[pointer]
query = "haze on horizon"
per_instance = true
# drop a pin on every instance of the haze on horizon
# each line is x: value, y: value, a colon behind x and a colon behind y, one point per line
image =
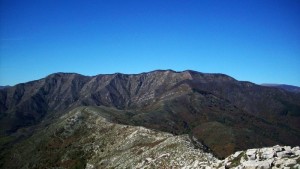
x: 257, y: 40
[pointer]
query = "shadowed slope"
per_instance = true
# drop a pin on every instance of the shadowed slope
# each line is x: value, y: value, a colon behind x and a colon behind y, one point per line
x: 83, y: 138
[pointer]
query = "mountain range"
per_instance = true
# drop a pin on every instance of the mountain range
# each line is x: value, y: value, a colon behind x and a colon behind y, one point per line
x: 222, y: 114
x: 290, y: 88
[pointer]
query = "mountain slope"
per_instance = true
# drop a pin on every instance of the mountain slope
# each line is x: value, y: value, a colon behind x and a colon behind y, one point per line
x: 82, y: 138
x: 3, y: 87
x: 224, y: 114
x: 289, y: 88
x: 85, y: 137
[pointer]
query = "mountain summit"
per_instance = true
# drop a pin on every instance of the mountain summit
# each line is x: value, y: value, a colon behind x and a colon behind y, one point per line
x: 223, y: 114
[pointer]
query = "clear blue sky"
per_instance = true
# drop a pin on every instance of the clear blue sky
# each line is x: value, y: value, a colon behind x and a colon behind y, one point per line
x: 253, y: 40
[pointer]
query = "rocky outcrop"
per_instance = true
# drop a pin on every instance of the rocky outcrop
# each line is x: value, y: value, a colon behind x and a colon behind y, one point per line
x: 275, y: 157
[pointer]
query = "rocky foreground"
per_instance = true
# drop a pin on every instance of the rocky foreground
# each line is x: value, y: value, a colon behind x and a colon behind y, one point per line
x: 85, y: 138
x: 263, y: 158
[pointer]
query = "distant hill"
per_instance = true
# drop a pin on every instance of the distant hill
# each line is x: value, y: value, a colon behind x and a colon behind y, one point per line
x: 3, y: 87
x: 289, y: 88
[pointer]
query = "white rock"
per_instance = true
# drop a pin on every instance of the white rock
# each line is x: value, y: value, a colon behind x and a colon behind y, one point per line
x: 286, y: 157
x: 297, y: 166
x: 296, y: 148
x: 277, y: 148
x: 268, y: 153
x: 257, y: 164
x: 164, y: 155
x: 297, y: 152
x: 279, y: 162
x: 251, y: 153
x: 223, y: 167
x: 290, y: 162
x: 89, y: 166
x: 282, y: 154
x: 195, y: 164
x: 287, y: 148
x: 148, y: 160
x: 236, y: 154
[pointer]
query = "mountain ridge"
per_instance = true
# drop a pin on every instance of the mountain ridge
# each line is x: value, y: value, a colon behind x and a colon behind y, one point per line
x: 86, y: 137
x: 166, y: 100
x: 290, y: 88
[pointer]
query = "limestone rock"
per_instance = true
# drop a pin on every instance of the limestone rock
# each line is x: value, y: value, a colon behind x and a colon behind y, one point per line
x: 264, y: 158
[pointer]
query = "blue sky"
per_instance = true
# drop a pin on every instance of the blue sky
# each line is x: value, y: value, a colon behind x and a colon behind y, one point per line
x: 253, y: 40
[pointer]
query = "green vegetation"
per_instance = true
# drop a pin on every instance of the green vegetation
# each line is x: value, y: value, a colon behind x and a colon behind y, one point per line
x: 5, y: 140
x: 291, y: 109
x: 237, y: 161
x: 298, y: 160
x: 81, y: 163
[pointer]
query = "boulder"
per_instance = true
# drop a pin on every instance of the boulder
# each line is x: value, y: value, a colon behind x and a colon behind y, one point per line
x: 251, y: 154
